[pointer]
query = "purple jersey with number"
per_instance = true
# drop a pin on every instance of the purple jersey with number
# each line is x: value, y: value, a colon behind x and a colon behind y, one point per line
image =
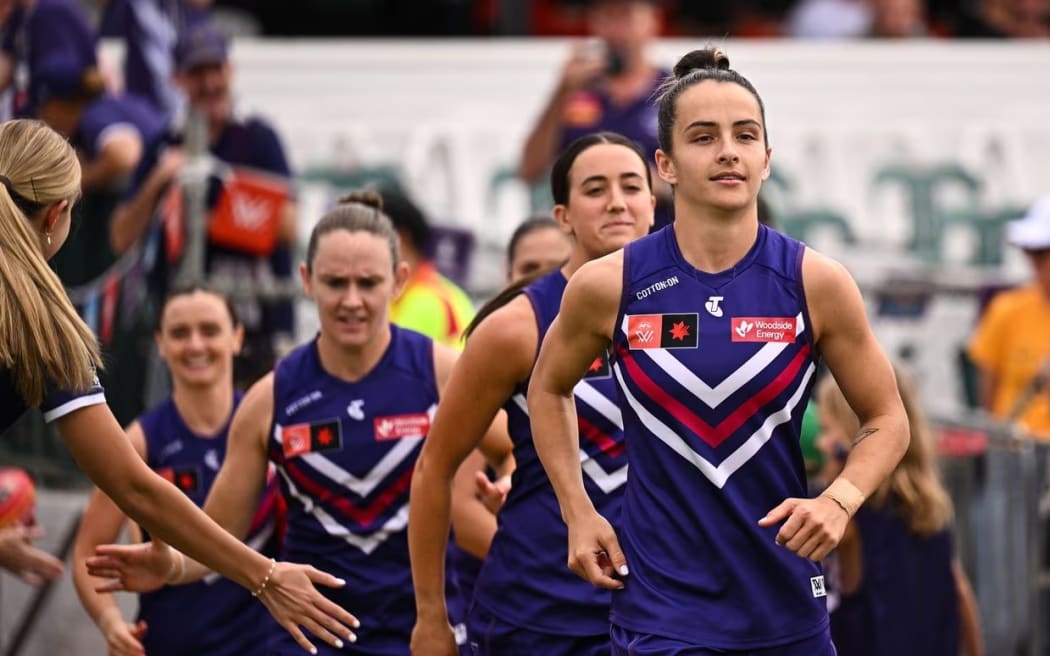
x: 213, y: 616
x: 345, y: 452
x: 714, y: 371
x: 524, y: 580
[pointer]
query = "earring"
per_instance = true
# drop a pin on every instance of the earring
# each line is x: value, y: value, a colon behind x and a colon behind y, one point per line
x: 49, y: 239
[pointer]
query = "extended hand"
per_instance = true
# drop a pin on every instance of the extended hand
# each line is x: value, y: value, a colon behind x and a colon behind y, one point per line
x: 18, y: 555
x: 132, y: 567
x: 294, y: 602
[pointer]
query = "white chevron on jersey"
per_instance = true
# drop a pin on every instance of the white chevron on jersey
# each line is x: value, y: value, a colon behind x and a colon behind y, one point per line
x: 606, y: 481
x: 404, y: 448
x: 718, y: 475
x: 601, y: 404
x: 366, y: 543
x: 586, y: 393
x: 714, y: 396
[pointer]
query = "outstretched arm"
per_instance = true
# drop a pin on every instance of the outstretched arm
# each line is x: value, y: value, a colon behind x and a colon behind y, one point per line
x: 813, y: 527
x: 100, y: 448
x: 496, y: 358
x: 579, y: 334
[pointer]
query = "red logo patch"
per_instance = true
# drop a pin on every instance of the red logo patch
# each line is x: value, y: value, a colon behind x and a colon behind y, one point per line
x: 310, y: 438
x: 651, y: 331
x: 763, y: 329
x: 398, y: 426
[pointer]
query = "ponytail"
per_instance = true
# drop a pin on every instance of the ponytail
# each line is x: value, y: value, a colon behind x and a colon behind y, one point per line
x: 43, y: 341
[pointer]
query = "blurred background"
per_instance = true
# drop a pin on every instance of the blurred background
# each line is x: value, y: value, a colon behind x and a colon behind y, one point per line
x: 906, y: 135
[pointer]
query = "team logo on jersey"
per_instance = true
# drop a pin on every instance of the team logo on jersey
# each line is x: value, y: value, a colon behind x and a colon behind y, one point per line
x: 211, y: 459
x: 763, y: 329
x: 651, y: 331
x: 713, y: 305
x: 187, y: 479
x: 355, y: 409
x: 312, y: 438
x: 397, y: 426
x: 599, y: 368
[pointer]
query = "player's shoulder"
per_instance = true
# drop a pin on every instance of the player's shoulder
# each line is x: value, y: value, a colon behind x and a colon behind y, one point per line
x: 598, y: 282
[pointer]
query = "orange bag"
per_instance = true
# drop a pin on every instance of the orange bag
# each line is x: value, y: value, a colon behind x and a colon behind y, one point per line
x: 247, y: 216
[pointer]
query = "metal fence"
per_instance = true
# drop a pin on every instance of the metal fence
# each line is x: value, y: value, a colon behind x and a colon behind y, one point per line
x: 998, y: 481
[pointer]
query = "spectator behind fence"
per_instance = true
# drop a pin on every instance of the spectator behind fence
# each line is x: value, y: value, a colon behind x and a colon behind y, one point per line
x: 429, y: 303
x: 901, y: 590
x: 35, y: 30
x: 151, y: 29
x: 606, y: 84
x: 1011, y: 345
x: 250, y: 158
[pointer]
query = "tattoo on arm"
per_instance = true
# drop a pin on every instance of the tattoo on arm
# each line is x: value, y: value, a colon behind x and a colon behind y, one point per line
x: 867, y: 432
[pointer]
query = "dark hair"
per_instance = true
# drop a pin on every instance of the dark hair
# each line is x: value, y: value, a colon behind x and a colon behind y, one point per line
x: 501, y: 299
x: 186, y: 290
x: 529, y: 225
x: 406, y: 215
x: 693, y: 68
x: 562, y: 165
x: 360, y: 211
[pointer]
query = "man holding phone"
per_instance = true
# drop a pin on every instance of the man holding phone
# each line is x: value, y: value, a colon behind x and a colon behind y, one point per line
x: 606, y: 84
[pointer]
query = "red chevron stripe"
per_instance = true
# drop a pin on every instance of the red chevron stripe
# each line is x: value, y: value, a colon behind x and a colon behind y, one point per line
x: 599, y: 438
x: 362, y: 514
x: 713, y: 436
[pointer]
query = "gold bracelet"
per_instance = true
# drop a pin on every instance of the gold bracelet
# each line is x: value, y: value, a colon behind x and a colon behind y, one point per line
x: 262, y: 586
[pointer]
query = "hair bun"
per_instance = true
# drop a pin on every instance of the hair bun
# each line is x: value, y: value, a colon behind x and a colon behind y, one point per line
x: 365, y: 197
x: 707, y: 58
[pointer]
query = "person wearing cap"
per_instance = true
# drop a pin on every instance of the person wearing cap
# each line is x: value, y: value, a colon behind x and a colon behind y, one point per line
x: 606, y: 84
x: 33, y: 31
x: 111, y: 132
x: 150, y: 30
x: 247, y: 145
x: 1011, y: 345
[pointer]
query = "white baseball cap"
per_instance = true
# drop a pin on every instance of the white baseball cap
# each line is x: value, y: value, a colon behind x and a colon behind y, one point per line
x: 1033, y: 231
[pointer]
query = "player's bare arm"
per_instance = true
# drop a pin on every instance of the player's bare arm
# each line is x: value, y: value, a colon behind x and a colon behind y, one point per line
x: 580, y: 333
x: 812, y: 528
x: 496, y: 358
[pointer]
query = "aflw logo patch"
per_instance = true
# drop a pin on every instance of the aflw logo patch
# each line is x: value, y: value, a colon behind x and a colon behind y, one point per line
x: 398, y: 426
x: 650, y: 331
x: 312, y: 438
x: 763, y: 329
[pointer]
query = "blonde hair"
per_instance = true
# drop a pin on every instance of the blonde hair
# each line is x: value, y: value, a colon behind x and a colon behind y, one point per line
x: 43, y: 342
x: 914, y: 488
